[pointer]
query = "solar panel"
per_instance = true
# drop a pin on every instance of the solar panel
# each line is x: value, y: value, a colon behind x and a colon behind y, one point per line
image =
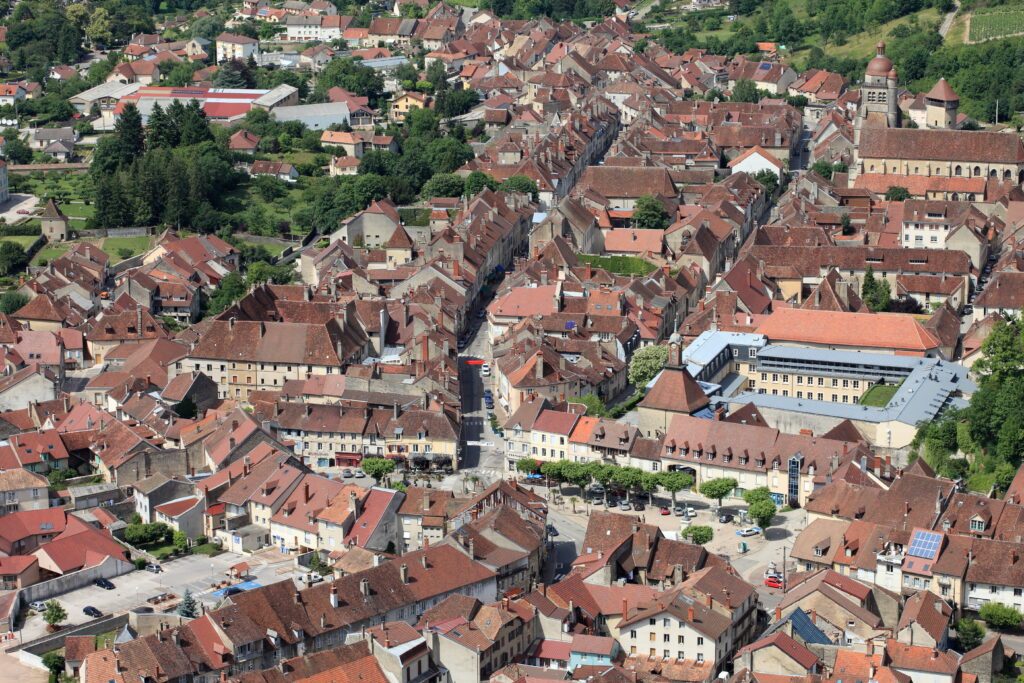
x: 925, y: 544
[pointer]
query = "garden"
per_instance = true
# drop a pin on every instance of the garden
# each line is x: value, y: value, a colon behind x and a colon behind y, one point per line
x: 996, y: 22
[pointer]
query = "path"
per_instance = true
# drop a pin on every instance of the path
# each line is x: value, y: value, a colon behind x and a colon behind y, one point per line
x: 947, y: 21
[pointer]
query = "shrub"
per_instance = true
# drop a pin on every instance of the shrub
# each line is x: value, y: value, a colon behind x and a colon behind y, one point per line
x: 699, y: 535
x: 1000, y: 616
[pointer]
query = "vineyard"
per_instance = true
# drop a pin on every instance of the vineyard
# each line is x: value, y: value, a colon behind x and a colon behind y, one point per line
x: 997, y: 22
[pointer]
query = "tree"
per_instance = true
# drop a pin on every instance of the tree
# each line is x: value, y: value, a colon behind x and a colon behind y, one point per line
x: 754, y: 495
x: 55, y: 663
x: 378, y: 468
x: 698, y: 534
x: 54, y: 614
x: 674, y: 481
x: 897, y: 194
x: 762, y: 512
x: 970, y: 634
x: 477, y: 181
x: 527, y: 465
x: 627, y: 478
x: 595, y: 406
x: 12, y: 301
x: 718, y: 488
x: 230, y: 290
x: 745, y: 91
x: 646, y: 364
x: 554, y: 471
x: 1003, y: 353
x: 520, y: 183
x: 769, y: 181
x: 1004, y: 472
x: 56, y: 478
x: 16, y: 150
x: 12, y: 258
x: 131, y: 140
x: 188, y: 606
x: 1000, y: 616
x: 650, y: 214
x: 443, y: 185
x: 876, y: 293
x: 180, y: 541
x: 234, y: 73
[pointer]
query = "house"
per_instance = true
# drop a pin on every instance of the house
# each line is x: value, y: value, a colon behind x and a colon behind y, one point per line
x: 244, y: 142
x: 21, y: 388
x: 779, y: 654
x: 406, y: 102
x: 233, y: 46
x: 157, y: 490
x: 11, y: 94
x: 756, y: 160
x: 21, y: 489
x: 276, y: 169
x: 184, y: 515
x: 44, y: 137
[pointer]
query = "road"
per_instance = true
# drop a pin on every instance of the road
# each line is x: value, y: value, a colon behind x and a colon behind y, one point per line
x: 947, y: 21
x: 18, y: 202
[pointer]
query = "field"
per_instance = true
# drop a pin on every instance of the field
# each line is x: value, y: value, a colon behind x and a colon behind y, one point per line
x: 49, y: 252
x: 996, y: 22
x: 24, y: 241
x: 879, y: 395
x: 136, y: 245
x: 78, y: 210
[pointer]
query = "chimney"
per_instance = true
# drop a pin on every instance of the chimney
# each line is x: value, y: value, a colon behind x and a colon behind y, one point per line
x: 778, y: 613
x: 814, y: 617
x: 538, y: 368
x: 353, y: 503
x: 334, y: 596
x: 306, y: 494
x: 403, y: 571
x: 298, y: 598
x: 423, y: 561
x: 707, y: 600
x: 426, y: 501
x: 689, y: 614
x: 364, y: 587
x: 625, y: 608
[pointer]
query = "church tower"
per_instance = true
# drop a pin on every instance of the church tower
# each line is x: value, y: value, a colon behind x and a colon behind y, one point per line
x: 878, y: 105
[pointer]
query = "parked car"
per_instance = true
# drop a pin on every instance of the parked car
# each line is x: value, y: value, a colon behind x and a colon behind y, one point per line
x: 232, y: 590
x: 679, y: 511
x: 725, y: 518
x: 24, y: 212
x: 534, y: 476
x: 638, y: 506
x: 774, y: 582
x: 624, y: 505
x: 154, y: 568
x: 360, y: 474
x: 664, y: 511
x: 748, y: 531
x: 968, y: 309
x: 485, y: 370
x: 552, y: 531
x: 91, y: 611
x: 38, y: 605
x: 104, y: 584
x: 481, y: 314
x: 347, y: 473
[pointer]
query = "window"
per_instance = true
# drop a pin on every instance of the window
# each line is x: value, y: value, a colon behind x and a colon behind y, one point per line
x: 632, y: 634
x: 700, y: 640
x: 666, y: 638
x: 993, y: 589
x: 700, y: 657
x: 682, y: 639
x: 653, y: 621
x: 665, y: 623
x: 977, y: 525
x: 680, y: 655
x: 799, y: 379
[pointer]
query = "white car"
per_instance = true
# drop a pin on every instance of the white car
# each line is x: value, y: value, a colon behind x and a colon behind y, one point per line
x: 749, y: 531
x: 38, y: 606
x: 485, y: 370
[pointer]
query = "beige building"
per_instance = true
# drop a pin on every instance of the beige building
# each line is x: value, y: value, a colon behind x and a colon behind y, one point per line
x: 23, y: 490
x: 424, y: 517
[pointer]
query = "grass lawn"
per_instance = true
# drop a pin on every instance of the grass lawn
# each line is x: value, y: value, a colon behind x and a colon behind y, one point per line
x: 22, y: 240
x: 78, y: 210
x: 982, y: 482
x: 620, y: 265
x: 997, y: 22
x: 105, y: 640
x: 136, y: 245
x: 209, y: 549
x: 879, y: 395
x: 49, y: 252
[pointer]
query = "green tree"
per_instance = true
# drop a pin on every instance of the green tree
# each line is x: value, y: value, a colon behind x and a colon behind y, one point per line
x: 55, y: 663
x: 1005, y: 473
x: 378, y: 468
x: 717, y: 488
x: 234, y: 73
x: 897, y: 194
x: 875, y: 292
x: 745, y: 91
x: 58, y: 477
x: 554, y: 472
x: 674, y: 481
x: 352, y: 76
x: 12, y: 258
x: 650, y: 214
x: 646, y: 364
x: 478, y: 181
x: 698, y: 534
x: 230, y: 290
x: 527, y: 465
x: 762, y: 512
x: 769, y: 181
x: 180, y: 541
x: 188, y: 606
x: 970, y: 634
x: 443, y: 185
x: 131, y: 140
x: 595, y: 406
x: 628, y: 478
x: 999, y: 616
x: 16, y: 150
x: 520, y: 183
x: 54, y: 613
x: 11, y: 301
x: 1002, y: 353
x: 754, y: 495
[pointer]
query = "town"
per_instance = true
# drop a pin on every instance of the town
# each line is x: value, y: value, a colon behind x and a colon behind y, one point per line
x: 446, y: 342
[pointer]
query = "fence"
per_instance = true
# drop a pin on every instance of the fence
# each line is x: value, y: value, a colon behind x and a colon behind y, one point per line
x: 55, y: 641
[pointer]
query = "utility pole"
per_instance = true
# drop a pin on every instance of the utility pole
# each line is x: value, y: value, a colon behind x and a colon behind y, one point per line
x: 783, y: 569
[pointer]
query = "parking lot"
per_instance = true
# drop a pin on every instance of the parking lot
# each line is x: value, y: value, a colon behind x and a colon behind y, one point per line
x: 196, y: 573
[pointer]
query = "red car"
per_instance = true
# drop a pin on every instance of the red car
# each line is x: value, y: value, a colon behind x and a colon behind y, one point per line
x: 665, y: 511
x: 773, y: 582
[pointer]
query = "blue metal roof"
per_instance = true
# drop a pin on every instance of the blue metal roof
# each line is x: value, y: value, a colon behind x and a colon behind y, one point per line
x: 805, y: 628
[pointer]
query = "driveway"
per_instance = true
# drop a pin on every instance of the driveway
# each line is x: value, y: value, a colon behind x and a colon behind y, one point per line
x: 18, y: 202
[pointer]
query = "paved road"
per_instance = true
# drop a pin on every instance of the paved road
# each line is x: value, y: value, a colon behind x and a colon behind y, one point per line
x: 947, y: 21
x: 18, y: 202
